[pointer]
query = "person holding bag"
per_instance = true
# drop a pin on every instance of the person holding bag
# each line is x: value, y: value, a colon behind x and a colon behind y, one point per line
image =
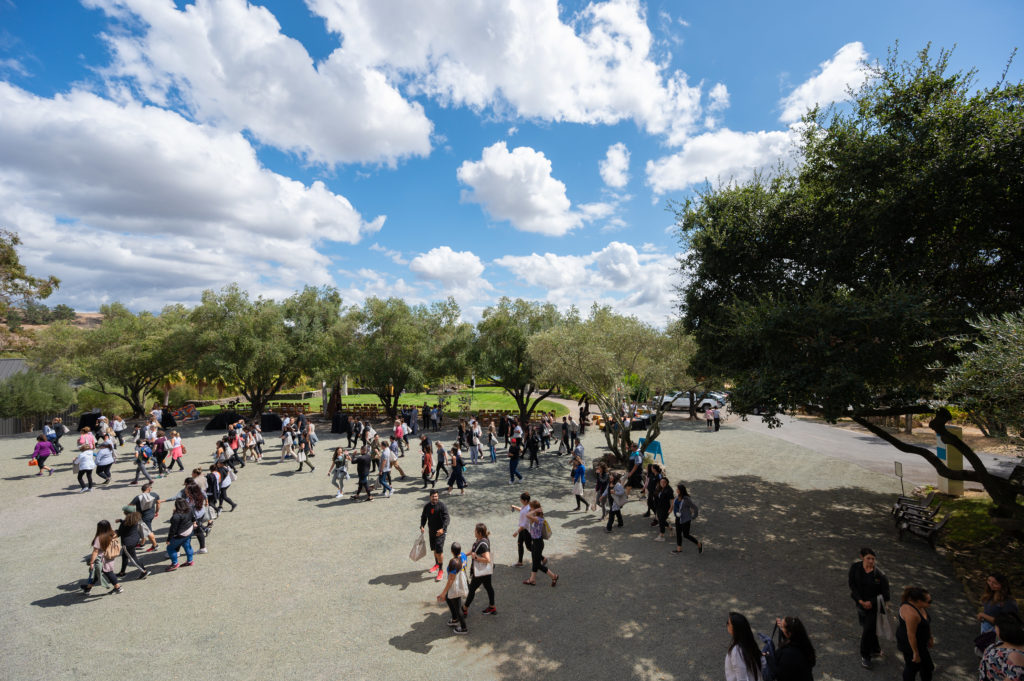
x: 106, y: 547
x: 43, y: 450
x: 481, y: 570
x: 867, y: 583
x: 454, y: 589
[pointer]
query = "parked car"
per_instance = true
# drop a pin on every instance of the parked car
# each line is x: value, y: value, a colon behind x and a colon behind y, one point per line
x: 681, y: 400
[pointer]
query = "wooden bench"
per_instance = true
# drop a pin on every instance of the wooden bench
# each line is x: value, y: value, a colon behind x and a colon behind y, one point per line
x: 926, y: 529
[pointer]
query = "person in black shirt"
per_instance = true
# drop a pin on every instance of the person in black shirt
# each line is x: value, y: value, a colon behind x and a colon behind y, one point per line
x: 514, y: 453
x: 867, y: 583
x: 435, y: 518
x: 362, y: 463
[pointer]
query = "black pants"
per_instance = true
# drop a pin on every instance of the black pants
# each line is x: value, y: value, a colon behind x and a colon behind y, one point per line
x: 128, y: 554
x: 455, y: 606
x: 364, y: 483
x: 104, y: 471
x: 161, y: 467
x: 718, y: 423
x: 524, y: 540
x: 307, y: 463
x: 612, y: 515
x: 57, y: 446
x: 176, y: 461
x: 537, y: 552
x: 475, y: 583
x: 533, y: 458
x: 683, y: 530
x: 224, y: 497
x: 82, y: 475
x: 869, y: 634
x: 911, y: 669
x: 233, y: 459
x: 200, y: 534
x: 581, y: 500
x: 437, y: 472
x: 120, y: 440
x: 662, y: 522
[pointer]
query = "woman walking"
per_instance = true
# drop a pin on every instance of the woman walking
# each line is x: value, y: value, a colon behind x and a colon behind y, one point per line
x: 119, y: 426
x: 662, y: 506
x: 522, y: 532
x: 130, y: 531
x: 600, y: 487
x: 43, y: 450
x: 795, y: 657
x: 86, y: 464
x: 104, y: 460
x: 440, y: 463
x: 451, y: 594
x: 286, y: 443
x: 339, y: 470
x: 492, y: 441
x: 227, y: 478
x: 914, y: 634
x: 535, y: 518
x: 197, y: 502
x: 457, y: 477
x: 179, y: 536
x: 177, y: 450
x: 743, y: 661
x: 106, y: 547
x: 480, y: 570
x: 996, y: 601
x: 302, y: 453
x: 685, y: 511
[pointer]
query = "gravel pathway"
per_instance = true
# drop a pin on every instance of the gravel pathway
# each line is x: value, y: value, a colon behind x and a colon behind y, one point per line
x: 298, y: 585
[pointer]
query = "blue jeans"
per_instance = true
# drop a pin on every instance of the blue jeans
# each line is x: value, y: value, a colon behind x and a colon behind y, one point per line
x: 383, y: 480
x: 175, y: 545
x: 494, y: 457
x: 473, y: 453
x: 513, y: 469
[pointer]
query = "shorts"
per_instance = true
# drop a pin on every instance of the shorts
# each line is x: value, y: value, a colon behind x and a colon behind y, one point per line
x: 436, y: 542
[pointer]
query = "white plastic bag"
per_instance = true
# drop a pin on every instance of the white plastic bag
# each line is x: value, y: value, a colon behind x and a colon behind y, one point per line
x: 419, y: 548
x: 883, y: 625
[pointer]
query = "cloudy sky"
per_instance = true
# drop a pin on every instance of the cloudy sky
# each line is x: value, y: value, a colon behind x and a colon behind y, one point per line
x: 151, y: 149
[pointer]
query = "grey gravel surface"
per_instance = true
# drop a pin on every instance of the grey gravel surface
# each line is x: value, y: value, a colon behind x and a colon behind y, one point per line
x: 298, y: 585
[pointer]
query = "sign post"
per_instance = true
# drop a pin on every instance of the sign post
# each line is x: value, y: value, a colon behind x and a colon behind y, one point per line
x: 899, y: 474
x: 954, y: 460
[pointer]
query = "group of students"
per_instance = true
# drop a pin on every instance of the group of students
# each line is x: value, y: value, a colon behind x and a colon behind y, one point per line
x: 196, y: 506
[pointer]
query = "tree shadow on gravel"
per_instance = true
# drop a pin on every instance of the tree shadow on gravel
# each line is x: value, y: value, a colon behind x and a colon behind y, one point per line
x: 625, y: 608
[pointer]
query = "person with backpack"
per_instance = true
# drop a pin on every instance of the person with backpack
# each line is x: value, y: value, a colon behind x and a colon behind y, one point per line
x: 106, y: 547
x: 743, y: 661
x: 452, y: 593
x: 142, y: 456
x: 481, y: 569
x: 179, y: 535
x: 795, y: 657
x: 867, y: 584
x: 539, y: 532
x: 147, y: 502
x: 685, y: 512
x: 130, y: 532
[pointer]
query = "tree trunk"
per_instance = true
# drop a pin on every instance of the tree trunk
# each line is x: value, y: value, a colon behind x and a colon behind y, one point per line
x: 334, y: 403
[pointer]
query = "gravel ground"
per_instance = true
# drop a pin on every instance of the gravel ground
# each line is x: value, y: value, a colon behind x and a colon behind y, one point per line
x: 298, y: 585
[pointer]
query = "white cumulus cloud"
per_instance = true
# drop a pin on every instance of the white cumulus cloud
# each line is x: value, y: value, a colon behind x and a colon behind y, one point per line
x: 519, y: 55
x: 94, y: 187
x: 846, y: 69
x: 615, y: 166
x: 723, y: 154
x: 232, y: 66
x: 517, y: 186
x: 444, y: 264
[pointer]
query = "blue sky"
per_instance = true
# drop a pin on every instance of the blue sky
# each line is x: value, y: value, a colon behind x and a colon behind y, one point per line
x: 152, y: 149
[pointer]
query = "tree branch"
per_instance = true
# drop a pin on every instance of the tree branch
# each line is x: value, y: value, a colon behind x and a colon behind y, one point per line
x: 924, y: 452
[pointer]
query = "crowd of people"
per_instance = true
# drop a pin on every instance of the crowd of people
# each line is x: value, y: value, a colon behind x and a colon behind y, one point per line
x: 374, y: 456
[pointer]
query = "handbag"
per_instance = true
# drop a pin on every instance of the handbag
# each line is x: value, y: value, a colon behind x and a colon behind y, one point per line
x: 33, y: 462
x: 883, y: 625
x: 113, y: 549
x: 183, y: 450
x: 461, y: 587
x: 484, y: 569
x: 419, y: 548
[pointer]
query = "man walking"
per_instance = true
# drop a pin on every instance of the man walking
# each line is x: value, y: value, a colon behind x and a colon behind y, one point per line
x: 717, y: 415
x: 435, y: 518
x: 363, y: 470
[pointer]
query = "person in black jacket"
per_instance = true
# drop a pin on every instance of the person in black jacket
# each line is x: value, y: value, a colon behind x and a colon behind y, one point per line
x: 435, y: 518
x: 180, y: 534
x: 867, y: 583
x: 795, y: 657
x: 663, y: 497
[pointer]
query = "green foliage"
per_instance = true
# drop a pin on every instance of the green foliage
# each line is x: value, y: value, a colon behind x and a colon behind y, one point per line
x: 501, y: 349
x: 259, y: 346
x: 34, y: 394
x: 17, y: 285
x: 987, y: 381
x: 128, y: 356
x: 613, y: 359
x: 834, y: 284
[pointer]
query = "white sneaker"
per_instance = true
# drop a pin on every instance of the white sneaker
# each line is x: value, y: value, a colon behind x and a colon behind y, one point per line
x: 387, y: 495
x: 338, y: 495
x: 202, y: 551
x: 660, y: 537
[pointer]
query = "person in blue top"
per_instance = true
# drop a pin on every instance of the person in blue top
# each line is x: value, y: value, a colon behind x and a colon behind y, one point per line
x: 579, y: 476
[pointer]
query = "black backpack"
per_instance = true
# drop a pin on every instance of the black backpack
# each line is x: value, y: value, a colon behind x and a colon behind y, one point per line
x: 769, y: 657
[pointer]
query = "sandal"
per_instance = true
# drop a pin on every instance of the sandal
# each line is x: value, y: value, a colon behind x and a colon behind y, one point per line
x: 528, y: 582
x: 554, y: 581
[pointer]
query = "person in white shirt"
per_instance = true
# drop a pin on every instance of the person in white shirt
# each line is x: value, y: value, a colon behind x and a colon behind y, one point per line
x: 743, y: 661
x: 119, y: 427
x: 86, y: 463
x: 523, y: 531
x: 388, y: 457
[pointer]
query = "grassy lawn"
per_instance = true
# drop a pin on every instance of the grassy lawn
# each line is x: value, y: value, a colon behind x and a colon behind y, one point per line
x: 977, y: 546
x: 482, y: 398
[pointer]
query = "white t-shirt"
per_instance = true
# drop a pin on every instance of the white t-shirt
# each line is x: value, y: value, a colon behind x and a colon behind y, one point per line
x: 523, y: 521
x: 387, y: 457
x: 86, y: 461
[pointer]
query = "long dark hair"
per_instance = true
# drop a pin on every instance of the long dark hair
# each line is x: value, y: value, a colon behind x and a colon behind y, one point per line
x: 798, y: 638
x: 181, y: 506
x: 194, y: 494
x: 1003, y: 593
x: 103, y: 532
x: 743, y: 637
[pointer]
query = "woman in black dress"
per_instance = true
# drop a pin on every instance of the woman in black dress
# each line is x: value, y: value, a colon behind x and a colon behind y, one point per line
x: 914, y: 634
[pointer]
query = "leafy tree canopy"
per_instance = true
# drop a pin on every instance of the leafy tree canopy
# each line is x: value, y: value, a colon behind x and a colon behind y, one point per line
x: 34, y: 394
x: 16, y: 285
